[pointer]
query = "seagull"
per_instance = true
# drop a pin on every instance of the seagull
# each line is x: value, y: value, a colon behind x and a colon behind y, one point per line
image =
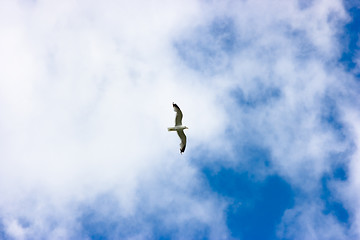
x: 179, y: 128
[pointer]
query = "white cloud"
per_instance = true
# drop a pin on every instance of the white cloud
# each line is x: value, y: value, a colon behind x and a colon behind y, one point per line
x: 86, y: 95
x: 306, y: 222
x: 86, y: 91
x: 349, y: 191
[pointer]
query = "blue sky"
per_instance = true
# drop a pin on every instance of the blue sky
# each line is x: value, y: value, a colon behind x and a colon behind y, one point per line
x: 269, y: 90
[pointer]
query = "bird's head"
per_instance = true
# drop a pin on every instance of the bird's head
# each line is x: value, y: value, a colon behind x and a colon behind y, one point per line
x: 186, y: 127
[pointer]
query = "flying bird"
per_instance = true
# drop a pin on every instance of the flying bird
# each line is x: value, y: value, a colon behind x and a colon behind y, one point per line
x: 179, y: 128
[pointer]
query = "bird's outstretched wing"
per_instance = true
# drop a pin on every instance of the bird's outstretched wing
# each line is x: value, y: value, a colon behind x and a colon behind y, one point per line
x: 179, y: 115
x: 183, y: 140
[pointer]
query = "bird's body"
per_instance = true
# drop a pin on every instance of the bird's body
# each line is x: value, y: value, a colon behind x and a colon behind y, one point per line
x: 176, y: 128
x: 179, y: 128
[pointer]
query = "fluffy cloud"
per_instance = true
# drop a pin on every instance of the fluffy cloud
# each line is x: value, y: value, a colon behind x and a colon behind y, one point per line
x: 86, y: 92
x: 86, y: 95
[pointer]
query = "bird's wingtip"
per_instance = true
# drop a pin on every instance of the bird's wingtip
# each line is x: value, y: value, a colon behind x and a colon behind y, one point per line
x: 182, y: 150
x: 175, y: 105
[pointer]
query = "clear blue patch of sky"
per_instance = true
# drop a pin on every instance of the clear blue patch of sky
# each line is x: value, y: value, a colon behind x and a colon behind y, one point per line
x: 340, y: 172
x: 256, y: 206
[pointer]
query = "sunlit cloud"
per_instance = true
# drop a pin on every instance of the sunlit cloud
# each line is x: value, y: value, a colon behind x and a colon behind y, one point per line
x: 267, y: 91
